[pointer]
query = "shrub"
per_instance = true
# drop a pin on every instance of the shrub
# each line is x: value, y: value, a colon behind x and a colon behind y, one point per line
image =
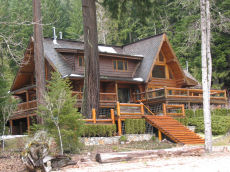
x: 99, y: 130
x: 220, y: 120
x: 134, y: 126
x: 123, y: 139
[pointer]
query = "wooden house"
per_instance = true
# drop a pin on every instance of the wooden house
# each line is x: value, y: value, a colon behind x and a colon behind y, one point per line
x: 146, y: 71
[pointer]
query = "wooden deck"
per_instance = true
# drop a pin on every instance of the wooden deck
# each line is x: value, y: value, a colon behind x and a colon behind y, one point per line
x: 169, y: 94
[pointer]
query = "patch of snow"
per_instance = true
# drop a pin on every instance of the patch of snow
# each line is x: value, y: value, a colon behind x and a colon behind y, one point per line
x: 75, y: 75
x: 106, y: 49
x: 5, y: 137
x: 139, y: 55
x: 138, y: 79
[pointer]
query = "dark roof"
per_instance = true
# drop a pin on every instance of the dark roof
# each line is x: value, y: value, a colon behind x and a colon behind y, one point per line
x: 148, y: 47
x: 145, y: 49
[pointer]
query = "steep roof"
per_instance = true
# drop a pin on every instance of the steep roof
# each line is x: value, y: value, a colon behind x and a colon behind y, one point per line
x: 147, y: 47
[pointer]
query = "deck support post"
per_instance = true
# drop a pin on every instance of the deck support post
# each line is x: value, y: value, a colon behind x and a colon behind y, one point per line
x: 159, y: 135
x: 112, y: 115
x: 119, y: 119
x: 27, y: 99
x: 28, y: 124
x: 94, y: 115
x: 142, y: 109
x: 116, y: 90
x: 11, y: 126
x: 164, y: 109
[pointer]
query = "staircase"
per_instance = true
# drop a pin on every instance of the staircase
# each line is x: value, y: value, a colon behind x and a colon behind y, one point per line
x: 174, y: 130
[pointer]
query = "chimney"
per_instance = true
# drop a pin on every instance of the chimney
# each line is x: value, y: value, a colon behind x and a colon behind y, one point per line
x: 55, y: 37
x: 60, y: 35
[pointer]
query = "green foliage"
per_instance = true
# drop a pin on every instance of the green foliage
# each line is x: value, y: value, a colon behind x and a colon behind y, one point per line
x: 123, y: 138
x: 99, y: 130
x: 60, y: 111
x: 134, y: 126
x: 220, y: 120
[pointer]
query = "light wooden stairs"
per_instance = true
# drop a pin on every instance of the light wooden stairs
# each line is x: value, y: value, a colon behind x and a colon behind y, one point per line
x: 174, y: 129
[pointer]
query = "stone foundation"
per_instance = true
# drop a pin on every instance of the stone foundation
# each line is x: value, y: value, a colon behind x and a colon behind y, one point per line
x: 89, y: 141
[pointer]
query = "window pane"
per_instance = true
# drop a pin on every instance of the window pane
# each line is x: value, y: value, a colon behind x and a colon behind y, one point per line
x: 158, y: 71
x: 126, y: 65
x: 120, y: 65
x: 161, y: 57
x: 114, y: 64
x: 81, y: 61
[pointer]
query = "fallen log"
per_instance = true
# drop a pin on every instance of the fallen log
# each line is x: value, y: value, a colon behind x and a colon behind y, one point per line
x: 126, y: 156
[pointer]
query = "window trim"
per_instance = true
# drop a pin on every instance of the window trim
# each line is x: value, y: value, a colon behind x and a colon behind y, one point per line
x: 125, y: 69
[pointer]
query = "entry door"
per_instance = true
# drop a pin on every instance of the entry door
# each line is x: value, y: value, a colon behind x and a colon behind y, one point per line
x: 123, y: 95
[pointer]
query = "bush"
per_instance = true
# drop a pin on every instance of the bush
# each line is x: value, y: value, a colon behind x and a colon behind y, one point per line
x: 123, y: 139
x: 220, y: 120
x: 134, y: 126
x: 99, y: 130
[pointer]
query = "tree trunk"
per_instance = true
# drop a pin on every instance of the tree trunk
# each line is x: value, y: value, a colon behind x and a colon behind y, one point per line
x: 92, y: 75
x: 127, y: 156
x: 206, y: 73
x: 60, y: 139
x: 39, y: 54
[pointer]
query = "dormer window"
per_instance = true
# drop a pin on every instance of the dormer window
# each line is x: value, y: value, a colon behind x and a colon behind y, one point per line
x: 81, y: 61
x: 120, y: 65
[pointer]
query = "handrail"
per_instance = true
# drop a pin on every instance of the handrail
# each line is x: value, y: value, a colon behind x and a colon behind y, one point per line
x: 147, y: 108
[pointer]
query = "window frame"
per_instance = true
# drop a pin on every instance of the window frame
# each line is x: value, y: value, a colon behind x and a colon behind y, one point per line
x: 124, y: 65
x: 82, y: 60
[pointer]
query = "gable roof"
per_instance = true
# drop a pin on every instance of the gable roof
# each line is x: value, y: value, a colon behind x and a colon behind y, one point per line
x: 145, y: 50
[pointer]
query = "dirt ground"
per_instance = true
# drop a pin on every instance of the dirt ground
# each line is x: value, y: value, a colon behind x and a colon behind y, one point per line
x: 214, y: 162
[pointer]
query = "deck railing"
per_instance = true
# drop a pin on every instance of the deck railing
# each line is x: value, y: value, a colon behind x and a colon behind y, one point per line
x: 167, y: 92
x: 27, y: 105
x: 104, y: 97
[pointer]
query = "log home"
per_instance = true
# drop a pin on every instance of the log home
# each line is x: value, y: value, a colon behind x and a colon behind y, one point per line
x: 146, y: 71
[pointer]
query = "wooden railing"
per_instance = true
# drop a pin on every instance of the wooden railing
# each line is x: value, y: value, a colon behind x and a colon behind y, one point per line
x: 104, y: 97
x: 27, y: 105
x: 94, y: 120
x: 124, y: 112
x: 174, y: 110
x: 167, y: 92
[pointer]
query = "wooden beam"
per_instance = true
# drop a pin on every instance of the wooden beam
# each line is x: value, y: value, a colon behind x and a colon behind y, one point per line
x: 116, y: 90
x: 159, y: 135
x: 11, y: 126
x: 112, y: 116
x: 94, y: 115
x: 28, y: 124
x: 27, y: 99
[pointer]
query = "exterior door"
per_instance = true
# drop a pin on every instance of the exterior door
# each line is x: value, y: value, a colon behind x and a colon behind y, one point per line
x: 123, y: 95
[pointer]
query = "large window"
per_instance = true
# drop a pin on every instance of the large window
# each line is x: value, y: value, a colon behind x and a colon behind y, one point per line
x: 120, y: 65
x: 158, y: 71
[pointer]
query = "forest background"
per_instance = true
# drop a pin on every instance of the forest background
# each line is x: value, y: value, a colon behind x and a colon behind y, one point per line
x: 180, y: 19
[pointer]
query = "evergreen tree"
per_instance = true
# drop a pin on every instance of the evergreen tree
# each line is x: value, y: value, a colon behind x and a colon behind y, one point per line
x: 61, y: 118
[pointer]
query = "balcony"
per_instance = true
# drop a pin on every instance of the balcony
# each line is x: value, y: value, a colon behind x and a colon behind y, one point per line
x: 180, y: 95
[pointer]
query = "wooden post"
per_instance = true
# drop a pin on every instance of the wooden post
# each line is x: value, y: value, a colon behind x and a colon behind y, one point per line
x: 182, y: 109
x: 116, y: 90
x: 166, y: 94
x: 164, y: 109
x: 11, y: 126
x: 27, y: 99
x: 119, y: 119
x: 28, y: 124
x: 94, y: 115
x: 159, y: 135
x: 142, y: 109
x: 112, y: 115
